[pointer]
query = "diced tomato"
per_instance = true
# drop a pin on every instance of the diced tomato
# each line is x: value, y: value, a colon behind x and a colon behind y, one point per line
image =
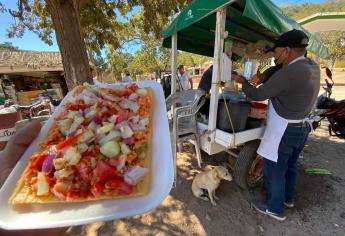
x: 111, y: 111
x: 133, y: 87
x: 68, y: 142
x: 123, y: 92
x: 132, y: 156
x: 76, y: 107
x: 97, y: 189
x: 103, y: 171
x: 98, y: 119
x: 131, y: 114
x: 84, y: 170
x: 113, y: 162
x: 129, y: 141
x: 73, y: 194
x: 99, y: 105
x: 91, y: 153
x: 121, y: 185
x: 121, y: 116
x: 37, y: 161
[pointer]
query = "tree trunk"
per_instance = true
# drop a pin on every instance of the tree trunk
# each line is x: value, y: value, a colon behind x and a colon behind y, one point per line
x: 66, y: 23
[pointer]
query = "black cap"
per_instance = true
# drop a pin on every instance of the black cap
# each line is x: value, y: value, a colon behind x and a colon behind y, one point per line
x: 180, y: 67
x: 292, y: 39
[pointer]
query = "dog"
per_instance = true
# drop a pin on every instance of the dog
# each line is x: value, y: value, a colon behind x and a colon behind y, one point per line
x: 209, y: 181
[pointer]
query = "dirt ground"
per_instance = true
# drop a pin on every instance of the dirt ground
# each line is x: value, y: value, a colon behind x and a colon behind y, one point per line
x: 320, y: 203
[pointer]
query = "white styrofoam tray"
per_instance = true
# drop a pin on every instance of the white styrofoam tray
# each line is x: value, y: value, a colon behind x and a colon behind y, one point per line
x: 36, y: 216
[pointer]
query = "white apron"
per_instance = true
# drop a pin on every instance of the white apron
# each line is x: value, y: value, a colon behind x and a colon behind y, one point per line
x: 274, y: 132
x: 275, y: 129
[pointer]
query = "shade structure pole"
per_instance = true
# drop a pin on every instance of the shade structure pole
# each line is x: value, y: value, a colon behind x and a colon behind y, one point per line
x: 173, y: 91
x: 217, y: 68
x: 173, y: 62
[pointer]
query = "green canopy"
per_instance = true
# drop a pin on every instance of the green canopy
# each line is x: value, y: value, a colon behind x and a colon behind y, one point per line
x: 246, y: 21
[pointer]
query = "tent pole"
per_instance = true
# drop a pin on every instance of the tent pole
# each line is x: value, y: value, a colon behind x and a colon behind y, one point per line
x: 173, y: 91
x: 173, y: 62
x: 217, y: 68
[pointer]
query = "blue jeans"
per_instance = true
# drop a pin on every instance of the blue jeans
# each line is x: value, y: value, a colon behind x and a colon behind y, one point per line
x: 280, y: 177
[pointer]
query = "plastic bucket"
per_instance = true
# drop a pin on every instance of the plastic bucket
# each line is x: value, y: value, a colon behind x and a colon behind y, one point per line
x: 239, y: 113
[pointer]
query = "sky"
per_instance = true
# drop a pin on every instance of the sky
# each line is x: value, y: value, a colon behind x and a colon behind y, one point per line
x: 30, y: 41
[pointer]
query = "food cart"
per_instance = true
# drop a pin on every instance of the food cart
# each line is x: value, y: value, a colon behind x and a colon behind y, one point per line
x: 215, y: 29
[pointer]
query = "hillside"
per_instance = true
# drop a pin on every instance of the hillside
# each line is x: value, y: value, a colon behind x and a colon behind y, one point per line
x: 300, y: 11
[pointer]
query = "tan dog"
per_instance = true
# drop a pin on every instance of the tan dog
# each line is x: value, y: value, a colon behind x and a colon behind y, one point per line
x: 209, y: 180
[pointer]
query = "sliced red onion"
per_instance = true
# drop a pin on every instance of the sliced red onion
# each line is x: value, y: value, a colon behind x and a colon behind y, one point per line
x: 90, y: 98
x: 47, y: 165
x: 122, y: 162
x: 87, y: 110
x: 129, y: 141
x: 104, y: 110
x: 133, y: 97
x: 134, y: 119
x: 97, y: 120
x: 145, y: 121
x: 135, y: 174
x: 59, y: 195
x: 75, y: 125
x: 77, y: 122
x: 72, y: 134
x: 112, y: 134
x: 121, y: 124
x: 136, y: 127
x: 92, y: 126
x: 91, y: 114
x: 113, y: 118
x: 100, y: 137
x: 126, y: 132
x: 110, y: 97
x: 127, y: 104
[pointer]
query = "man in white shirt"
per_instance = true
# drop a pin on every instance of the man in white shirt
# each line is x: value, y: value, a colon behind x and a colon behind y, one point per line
x: 185, y: 78
x: 127, y: 78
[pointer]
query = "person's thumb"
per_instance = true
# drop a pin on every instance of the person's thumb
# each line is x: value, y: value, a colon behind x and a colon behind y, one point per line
x: 17, y: 145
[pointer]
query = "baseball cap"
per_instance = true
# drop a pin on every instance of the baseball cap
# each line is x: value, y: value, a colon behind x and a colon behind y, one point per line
x: 292, y: 39
x: 180, y: 67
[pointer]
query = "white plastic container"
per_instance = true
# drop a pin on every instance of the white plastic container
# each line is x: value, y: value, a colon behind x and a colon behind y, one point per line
x: 34, y: 216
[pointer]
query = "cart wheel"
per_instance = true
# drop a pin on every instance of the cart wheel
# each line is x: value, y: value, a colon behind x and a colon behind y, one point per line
x: 248, y: 169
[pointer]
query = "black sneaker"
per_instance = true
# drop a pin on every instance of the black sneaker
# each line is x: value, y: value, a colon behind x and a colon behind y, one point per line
x: 262, y: 208
x: 289, y: 204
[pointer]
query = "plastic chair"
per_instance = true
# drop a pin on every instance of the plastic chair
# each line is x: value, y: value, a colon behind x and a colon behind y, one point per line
x: 183, y: 122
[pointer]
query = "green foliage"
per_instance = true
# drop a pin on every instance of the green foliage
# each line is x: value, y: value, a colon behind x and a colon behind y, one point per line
x: 118, y: 61
x: 333, y: 41
x: 339, y: 64
x: 190, y: 59
x: 8, y: 46
x: 304, y: 10
x: 99, y: 19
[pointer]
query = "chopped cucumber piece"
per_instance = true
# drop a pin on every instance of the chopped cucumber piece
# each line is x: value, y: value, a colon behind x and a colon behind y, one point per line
x: 74, y: 114
x: 126, y: 132
x: 125, y: 149
x: 90, y: 114
x: 42, y: 184
x: 86, y: 136
x: 63, y: 173
x: 72, y: 156
x: 106, y: 128
x: 141, y: 92
x: 110, y: 149
x: 65, y: 126
x: 142, y: 155
x: 59, y: 163
x: 82, y: 147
